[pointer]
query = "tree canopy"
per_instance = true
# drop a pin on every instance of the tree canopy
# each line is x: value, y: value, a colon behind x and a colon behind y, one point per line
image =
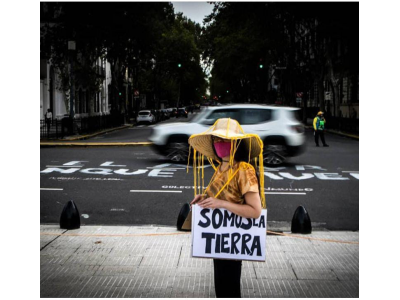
x: 142, y: 40
x: 305, y: 42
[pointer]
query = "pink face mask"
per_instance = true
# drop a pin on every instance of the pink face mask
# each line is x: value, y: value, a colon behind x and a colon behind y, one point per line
x: 223, y: 149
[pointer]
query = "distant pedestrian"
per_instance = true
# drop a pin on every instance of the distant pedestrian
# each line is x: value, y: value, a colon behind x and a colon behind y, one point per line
x: 354, y: 113
x: 319, y: 128
x: 48, y: 117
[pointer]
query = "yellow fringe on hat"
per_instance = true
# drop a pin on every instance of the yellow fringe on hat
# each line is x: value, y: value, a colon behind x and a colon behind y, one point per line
x: 198, y: 163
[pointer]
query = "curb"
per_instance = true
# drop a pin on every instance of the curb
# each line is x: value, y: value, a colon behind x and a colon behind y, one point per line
x: 352, y: 136
x: 84, y: 137
x: 355, y: 137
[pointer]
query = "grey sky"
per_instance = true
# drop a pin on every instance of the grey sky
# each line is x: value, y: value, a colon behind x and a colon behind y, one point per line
x: 196, y: 11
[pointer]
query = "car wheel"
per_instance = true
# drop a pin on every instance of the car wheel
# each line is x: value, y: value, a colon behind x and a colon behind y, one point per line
x: 178, y: 151
x: 274, y: 154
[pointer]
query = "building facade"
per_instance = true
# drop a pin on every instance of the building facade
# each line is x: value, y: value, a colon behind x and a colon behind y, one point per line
x: 85, y: 103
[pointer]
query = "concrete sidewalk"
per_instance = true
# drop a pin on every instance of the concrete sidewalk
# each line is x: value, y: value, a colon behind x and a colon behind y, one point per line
x: 154, y: 261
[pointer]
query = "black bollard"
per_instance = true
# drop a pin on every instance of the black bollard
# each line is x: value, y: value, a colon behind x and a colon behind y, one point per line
x: 182, y: 216
x: 301, y: 222
x: 70, y: 218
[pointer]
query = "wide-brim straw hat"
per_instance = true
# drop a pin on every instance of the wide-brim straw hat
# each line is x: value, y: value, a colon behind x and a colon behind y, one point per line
x: 226, y: 128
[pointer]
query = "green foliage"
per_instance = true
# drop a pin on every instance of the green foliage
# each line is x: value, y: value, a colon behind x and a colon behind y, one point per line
x: 302, y: 37
x: 139, y: 39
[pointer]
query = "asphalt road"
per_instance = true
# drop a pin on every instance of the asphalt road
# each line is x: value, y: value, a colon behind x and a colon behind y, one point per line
x: 136, y: 186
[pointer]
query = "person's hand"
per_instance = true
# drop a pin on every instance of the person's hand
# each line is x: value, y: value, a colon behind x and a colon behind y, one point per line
x: 211, y: 203
x: 195, y: 199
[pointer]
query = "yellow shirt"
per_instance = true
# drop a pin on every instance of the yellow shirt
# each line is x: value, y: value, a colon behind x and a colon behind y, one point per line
x: 244, y: 181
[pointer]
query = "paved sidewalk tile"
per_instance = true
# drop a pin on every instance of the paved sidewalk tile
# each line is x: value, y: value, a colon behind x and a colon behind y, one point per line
x: 155, y: 262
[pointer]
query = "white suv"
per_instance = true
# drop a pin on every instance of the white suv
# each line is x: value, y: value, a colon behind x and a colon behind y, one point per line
x: 278, y: 127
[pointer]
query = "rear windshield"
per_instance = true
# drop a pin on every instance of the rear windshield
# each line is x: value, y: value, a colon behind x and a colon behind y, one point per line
x: 144, y: 113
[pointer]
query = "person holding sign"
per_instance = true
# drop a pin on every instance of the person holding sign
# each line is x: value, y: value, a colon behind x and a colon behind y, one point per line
x: 234, y: 185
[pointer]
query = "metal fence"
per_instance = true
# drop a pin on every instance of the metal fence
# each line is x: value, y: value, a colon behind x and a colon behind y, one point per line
x: 57, y: 129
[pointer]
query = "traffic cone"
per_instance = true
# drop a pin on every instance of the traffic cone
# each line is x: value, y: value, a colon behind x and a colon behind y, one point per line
x: 184, y: 212
x: 301, y: 222
x: 70, y: 218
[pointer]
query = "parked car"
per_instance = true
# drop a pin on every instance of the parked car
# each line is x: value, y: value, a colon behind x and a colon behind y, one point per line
x: 278, y: 127
x: 145, y: 116
x: 181, y: 112
x: 165, y: 114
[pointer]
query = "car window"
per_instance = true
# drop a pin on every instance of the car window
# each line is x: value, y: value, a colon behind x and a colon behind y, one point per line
x: 295, y: 114
x: 255, y: 116
x: 224, y: 113
x: 143, y: 113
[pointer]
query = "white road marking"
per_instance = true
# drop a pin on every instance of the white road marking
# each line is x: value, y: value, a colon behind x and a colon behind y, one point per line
x: 85, y: 216
x: 109, y: 164
x: 350, y: 171
x: 50, y: 189
x: 63, y: 166
x: 153, y: 191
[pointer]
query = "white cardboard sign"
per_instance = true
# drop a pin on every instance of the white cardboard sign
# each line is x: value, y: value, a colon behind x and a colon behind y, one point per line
x: 219, y: 233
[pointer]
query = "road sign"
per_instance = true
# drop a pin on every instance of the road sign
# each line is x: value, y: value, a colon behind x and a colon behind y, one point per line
x: 136, y: 93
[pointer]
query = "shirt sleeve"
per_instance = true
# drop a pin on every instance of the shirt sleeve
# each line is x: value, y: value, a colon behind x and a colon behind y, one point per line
x: 247, y: 180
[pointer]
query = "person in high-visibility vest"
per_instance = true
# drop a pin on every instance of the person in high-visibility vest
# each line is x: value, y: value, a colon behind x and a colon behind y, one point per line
x: 319, y: 128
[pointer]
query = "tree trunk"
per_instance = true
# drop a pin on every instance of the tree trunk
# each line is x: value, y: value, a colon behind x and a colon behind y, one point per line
x: 321, y: 94
x: 305, y: 96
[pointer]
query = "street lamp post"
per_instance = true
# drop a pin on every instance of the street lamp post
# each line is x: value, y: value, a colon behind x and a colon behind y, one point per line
x: 71, y: 49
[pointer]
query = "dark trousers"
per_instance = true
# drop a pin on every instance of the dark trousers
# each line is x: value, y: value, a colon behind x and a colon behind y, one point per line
x: 319, y: 133
x: 227, y: 275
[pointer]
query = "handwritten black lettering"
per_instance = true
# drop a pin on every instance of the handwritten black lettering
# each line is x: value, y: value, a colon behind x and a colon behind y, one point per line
x: 204, y: 215
x: 209, y: 237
